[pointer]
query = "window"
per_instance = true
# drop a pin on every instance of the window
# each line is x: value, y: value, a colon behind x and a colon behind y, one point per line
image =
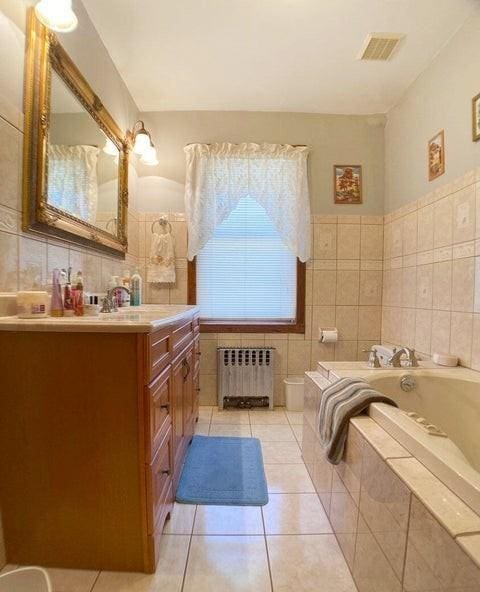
x: 245, y: 278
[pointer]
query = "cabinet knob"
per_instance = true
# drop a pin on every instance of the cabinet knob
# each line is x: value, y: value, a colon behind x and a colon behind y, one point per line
x: 166, y: 472
x: 166, y: 406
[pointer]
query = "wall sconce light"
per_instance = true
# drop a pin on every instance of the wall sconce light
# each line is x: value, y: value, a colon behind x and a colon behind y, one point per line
x: 142, y: 144
x: 57, y: 15
x: 110, y: 148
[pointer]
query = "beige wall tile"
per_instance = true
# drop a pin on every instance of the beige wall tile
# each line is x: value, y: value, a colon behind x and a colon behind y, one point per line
x: 442, y: 285
x: 208, y: 389
x: 346, y: 351
x: 348, y: 241
x: 441, y: 321
x: 325, y: 241
x: 461, y: 337
x: 463, y: 279
x: 476, y: 342
x: 11, y: 142
x: 346, y: 321
x: 9, y: 264
x: 369, y: 322
x: 423, y: 330
x: 371, y: 242
x: 443, y: 223
x: 348, y: 287
x: 464, y: 215
x: 299, y: 353
x: 370, y: 287
x: 407, y: 331
x: 324, y: 287
x: 321, y: 351
x: 32, y: 264
x: 410, y: 234
x: 424, y: 286
x: 409, y: 287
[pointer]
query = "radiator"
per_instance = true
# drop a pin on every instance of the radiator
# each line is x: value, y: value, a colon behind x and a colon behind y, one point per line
x: 245, y: 376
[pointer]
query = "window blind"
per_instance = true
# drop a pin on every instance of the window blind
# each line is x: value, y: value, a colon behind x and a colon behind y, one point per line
x: 245, y: 272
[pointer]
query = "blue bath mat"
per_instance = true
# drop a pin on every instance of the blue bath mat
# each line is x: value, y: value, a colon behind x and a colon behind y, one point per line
x: 223, y: 472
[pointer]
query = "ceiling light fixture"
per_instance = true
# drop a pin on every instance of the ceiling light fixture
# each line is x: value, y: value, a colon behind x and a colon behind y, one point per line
x: 142, y: 144
x: 57, y: 15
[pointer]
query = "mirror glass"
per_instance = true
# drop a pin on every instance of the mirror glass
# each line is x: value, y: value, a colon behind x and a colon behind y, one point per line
x: 83, y: 164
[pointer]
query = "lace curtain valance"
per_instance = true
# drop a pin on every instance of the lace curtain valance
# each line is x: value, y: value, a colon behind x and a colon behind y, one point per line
x: 275, y: 175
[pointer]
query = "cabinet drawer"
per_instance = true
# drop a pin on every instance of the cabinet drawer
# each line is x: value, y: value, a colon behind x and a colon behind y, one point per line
x: 159, y: 484
x: 181, y: 337
x: 157, y: 410
x: 158, y: 352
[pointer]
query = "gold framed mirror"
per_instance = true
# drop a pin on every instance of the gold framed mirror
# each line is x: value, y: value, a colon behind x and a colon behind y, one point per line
x: 75, y: 172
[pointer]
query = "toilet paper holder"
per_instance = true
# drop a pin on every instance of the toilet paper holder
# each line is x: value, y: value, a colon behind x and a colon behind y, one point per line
x: 328, y: 334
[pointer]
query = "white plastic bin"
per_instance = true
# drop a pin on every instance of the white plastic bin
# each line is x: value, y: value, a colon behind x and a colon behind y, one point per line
x: 25, y: 579
x: 294, y: 386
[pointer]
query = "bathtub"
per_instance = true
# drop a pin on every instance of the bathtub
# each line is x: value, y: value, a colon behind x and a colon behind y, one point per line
x: 450, y: 399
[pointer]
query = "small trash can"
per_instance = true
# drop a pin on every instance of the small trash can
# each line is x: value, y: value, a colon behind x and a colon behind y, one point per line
x: 294, y: 392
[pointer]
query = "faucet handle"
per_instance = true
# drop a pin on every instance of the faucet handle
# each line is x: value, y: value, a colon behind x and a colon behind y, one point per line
x: 373, y: 361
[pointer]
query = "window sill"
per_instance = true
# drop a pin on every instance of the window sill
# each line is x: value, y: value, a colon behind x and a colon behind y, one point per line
x: 247, y: 327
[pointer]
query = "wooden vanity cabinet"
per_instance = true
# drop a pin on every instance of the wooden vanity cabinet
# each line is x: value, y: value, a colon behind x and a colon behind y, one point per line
x: 93, y: 435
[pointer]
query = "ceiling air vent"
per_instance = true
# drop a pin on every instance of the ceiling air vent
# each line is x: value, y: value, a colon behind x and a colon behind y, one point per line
x: 379, y: 46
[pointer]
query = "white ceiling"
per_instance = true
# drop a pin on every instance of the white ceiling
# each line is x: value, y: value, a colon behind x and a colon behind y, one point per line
x: 270, y: 55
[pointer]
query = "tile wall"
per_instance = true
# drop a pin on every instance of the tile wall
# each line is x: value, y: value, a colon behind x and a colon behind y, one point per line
x: 431, y: 282
x: 344, y: 289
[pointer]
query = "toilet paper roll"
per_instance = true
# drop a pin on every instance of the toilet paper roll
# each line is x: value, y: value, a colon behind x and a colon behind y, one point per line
x: 329, y: 335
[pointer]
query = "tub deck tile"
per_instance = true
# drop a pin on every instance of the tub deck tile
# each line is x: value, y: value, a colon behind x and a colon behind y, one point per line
x: 448, y: 509
x: 382, y: 442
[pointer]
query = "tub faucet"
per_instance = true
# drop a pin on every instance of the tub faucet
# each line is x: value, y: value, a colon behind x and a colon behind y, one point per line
x: 396, y: 357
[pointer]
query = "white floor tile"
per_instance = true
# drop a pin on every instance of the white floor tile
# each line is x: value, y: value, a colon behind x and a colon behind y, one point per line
x: 295, y: 417
x: 242, y: 431
x: 281, y: 453
x: 228, y: 520
x: 308, y: 563
x: 273, y: 433
x: 181, y: 520
x: 227, y: 564
x: 288, y: 479
x: 168, y: 577
x: 295, y: 513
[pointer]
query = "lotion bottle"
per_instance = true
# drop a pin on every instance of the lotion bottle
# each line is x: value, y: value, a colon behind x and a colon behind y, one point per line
x: 136, y: 288
x: 78, y: 295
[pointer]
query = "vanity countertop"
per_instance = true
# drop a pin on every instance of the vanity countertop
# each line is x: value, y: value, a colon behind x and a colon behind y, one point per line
x: 139, y: 319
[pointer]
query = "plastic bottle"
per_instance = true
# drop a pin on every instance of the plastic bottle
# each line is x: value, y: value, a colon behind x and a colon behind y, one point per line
x: 68, y: 308
x: 78, y: 295
x: 136, y: 283
x: 56, y: 309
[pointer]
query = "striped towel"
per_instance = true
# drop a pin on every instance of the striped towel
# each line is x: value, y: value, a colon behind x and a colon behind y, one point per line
x: 342, y: 400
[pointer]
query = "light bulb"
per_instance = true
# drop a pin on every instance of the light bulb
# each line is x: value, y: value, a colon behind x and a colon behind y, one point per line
x: 142, y: 143
x: 110, y: 148
x: 57, y: 15
x: 149, y: 157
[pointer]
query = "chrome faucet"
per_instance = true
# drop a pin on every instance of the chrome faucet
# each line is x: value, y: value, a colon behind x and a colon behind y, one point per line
x: 109, y: 303
x: 411, y: 360
x: 373, y: 361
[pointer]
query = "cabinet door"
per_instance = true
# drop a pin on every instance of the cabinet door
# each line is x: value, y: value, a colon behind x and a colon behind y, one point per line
x: 188, y: 395
x: 178, y: 373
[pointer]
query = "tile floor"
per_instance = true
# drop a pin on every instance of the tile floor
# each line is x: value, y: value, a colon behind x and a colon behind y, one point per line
x: 286, y: 546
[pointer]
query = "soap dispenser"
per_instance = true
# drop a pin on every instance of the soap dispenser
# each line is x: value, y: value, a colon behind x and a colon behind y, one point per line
x: 56, y: 308
x: 136, y: 288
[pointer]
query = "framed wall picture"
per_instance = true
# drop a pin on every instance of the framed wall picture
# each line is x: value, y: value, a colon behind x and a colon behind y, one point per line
x: 436, y: 156
x: 476, y: 118
x: 347, y: 183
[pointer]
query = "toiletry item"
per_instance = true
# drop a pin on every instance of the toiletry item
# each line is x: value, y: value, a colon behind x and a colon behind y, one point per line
x: 136, y: 289
x: 78, y: 295
x: 126, y: 279
x: 68, y: 296
x: 443, y: 359
x: 32, y: 304
x: 56, y: 308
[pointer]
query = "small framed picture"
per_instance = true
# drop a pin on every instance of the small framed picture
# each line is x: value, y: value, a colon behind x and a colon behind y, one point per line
x: 476, y: 118
x: 436, y: 156
x: 347, y: 183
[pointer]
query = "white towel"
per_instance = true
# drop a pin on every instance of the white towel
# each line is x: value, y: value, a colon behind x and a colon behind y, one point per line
x: 161, y: 266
